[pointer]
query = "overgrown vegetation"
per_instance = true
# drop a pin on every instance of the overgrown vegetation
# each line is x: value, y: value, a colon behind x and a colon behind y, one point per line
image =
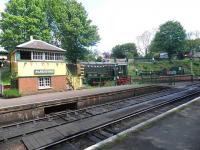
x: 5, y: 77
x: 165, y: 64
x: 11, y: 93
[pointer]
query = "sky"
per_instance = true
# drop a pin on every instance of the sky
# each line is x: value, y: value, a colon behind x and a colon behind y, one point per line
x: 122, y: 21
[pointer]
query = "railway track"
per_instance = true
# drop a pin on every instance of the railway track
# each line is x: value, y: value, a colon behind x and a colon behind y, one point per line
x: 45, y: 129
x: 27, y: 127
x: 104, y: 131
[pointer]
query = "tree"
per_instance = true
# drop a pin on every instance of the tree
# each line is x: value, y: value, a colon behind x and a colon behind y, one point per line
x: 70, y: 25
x: 21, y: 19
x: 143, y: 42
x: 169, y: 38
x: 106, y: 55
x: 192, y: 45
x: 99, y: 59
x: 63, y: 22
x: 127, y: 50
x: 91, y: 55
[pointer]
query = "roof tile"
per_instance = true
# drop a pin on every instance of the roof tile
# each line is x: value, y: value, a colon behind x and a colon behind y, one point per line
x: 39, y: 45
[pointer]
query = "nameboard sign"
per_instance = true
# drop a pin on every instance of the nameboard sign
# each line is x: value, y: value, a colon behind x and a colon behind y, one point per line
x: 43, y: 72
x: 171, y: 72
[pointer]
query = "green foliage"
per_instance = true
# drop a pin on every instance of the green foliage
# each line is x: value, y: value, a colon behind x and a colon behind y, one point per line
x: 63, y: 21
x: 91, y: 56
x: 5, y: 76
x: 165, y: 64
x: 169, y: 38
x: 13, y: 79
x: 21, y: 19
x: 99, y: 59
x: 70, y: 25
x: 192, y: 45
x: 11, y: 93
x: 127, y: 50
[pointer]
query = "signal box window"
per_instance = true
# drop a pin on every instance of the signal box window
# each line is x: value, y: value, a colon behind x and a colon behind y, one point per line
x: 25, y: 55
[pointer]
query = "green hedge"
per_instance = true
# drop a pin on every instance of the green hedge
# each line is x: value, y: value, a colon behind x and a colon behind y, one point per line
x: 11, y: 93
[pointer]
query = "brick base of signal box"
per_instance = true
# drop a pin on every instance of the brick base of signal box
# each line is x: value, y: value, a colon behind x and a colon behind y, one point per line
x: 29, y: 85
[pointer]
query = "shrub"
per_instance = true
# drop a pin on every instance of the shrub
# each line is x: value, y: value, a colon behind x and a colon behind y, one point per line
x: 14, y: 82
x: 11, y: 93
x: 6, y: 75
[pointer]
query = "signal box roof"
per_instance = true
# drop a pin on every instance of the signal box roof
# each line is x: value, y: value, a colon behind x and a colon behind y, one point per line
x: 39, y: 45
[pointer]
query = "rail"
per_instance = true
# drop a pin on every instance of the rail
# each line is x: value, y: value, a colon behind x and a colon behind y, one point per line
x: 63, y: 118
x: 120, y: 114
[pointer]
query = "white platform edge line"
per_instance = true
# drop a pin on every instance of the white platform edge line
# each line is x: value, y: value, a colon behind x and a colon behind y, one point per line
x: 140, y: 126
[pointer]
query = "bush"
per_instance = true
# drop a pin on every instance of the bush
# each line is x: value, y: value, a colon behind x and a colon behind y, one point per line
x: 6, y: 75
x: 11, y: 93
x: 13, y: 80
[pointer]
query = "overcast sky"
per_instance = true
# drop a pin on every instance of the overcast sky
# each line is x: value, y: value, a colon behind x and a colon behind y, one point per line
x: 121, y: 21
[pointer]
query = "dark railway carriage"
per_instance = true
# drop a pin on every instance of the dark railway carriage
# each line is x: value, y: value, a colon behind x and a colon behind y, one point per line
x: 95, y: 73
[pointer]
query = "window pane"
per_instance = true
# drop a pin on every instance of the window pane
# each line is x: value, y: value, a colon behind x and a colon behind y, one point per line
x: 37, y: 55
x: 25, y: 55
x: 44, y: 82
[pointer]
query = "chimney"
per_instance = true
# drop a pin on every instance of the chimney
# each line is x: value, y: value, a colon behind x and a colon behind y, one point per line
x: 31, y: 37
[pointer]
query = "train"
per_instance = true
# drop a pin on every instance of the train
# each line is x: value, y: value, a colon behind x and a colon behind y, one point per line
x: 98, y: 73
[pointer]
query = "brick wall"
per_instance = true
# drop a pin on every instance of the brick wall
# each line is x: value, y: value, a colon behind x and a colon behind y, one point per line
x: 30, y: 85
x: 59, y: 83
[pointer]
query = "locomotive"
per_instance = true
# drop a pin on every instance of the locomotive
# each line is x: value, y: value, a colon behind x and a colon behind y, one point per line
x: 94, y: 73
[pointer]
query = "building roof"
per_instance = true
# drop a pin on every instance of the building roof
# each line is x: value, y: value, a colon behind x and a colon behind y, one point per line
x: 39, y: 45
x: 2, y: 50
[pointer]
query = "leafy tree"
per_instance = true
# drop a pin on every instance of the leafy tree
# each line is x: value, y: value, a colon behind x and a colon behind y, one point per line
x: 70, y: 25
x: 21, y: 19
x: 91, y: 55
x: 127, y: 50
x: 192, y: 45
x: 106, y: 55
x: 64, y: 22
x: 99, y: 59
x: 169, y: 38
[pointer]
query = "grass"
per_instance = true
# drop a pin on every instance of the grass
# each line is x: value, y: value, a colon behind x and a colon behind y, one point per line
x: 5, y: 76
x: 11, y: 93
x: 159, y: 65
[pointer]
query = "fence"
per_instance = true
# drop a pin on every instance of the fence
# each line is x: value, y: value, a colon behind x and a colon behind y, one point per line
x: 164, y: 79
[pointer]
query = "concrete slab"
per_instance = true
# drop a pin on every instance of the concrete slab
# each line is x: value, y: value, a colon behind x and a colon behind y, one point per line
x: 178, y: 131
x: 47, y: 97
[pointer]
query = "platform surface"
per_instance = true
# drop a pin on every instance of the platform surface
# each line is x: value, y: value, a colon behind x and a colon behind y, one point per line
x: 47, y: 97
x: 55, y: 96
x: 179, y: 131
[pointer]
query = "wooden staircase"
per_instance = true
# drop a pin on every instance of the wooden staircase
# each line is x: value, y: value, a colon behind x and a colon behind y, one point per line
x: 69, y: 80
x: 74, y: 82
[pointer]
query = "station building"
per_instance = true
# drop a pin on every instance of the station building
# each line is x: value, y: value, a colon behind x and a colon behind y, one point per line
x: 39, y: 66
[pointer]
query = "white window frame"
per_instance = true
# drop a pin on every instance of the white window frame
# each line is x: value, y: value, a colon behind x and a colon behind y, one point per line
x: 37, y: 56
x: 46, y: 56
x: 44, y: 82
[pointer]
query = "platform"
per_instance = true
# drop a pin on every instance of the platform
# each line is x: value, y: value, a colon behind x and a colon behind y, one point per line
x: 34, y: 106
x: 48, y: 97
x: 178, y: 131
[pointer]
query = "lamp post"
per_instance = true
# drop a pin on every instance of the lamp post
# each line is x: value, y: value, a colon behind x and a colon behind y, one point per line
x: 191, y: 66
x: 1, y: 83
